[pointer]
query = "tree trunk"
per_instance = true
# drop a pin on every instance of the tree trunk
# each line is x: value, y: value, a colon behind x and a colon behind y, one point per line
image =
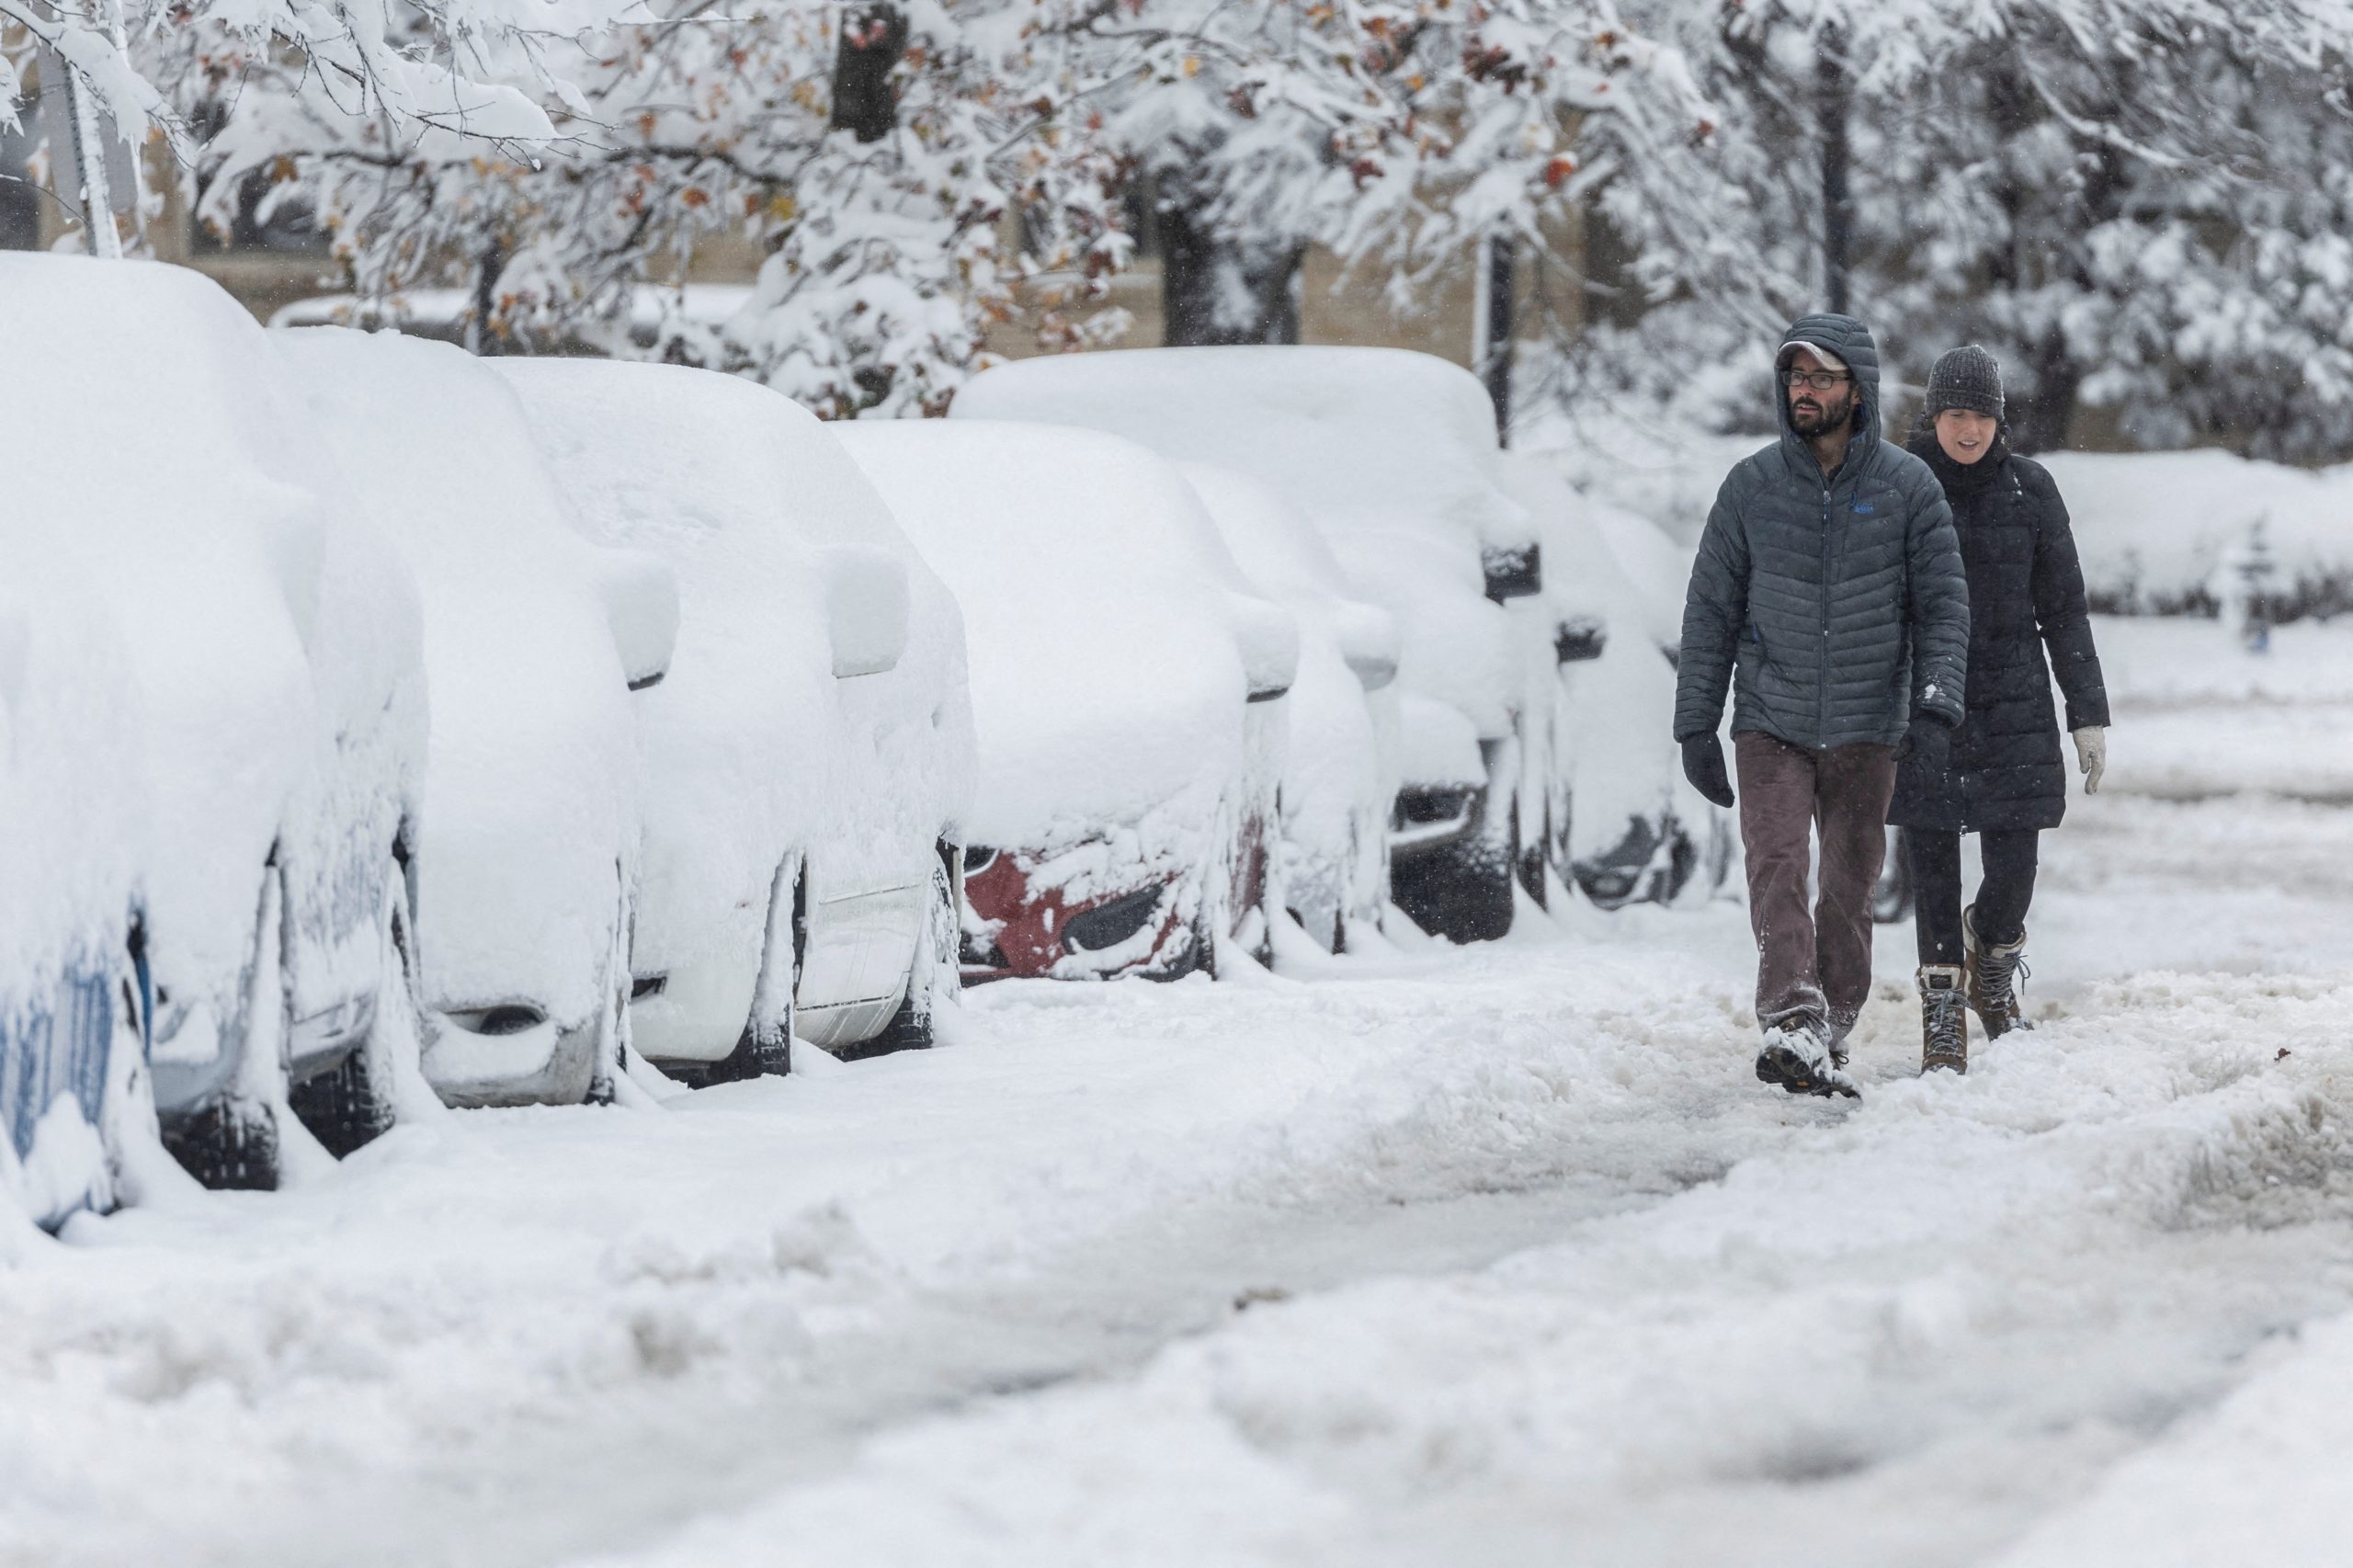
x: 1497, y: 264
x: 873, y: 38
x: 1216, y: 290
x: 19, y: 198
x: 2039, y: 422
x: 1833, y: 106
x: 480, y: 339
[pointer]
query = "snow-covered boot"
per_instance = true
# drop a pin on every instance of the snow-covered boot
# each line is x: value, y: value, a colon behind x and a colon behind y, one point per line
x: 1796, y: 1055
x: 1993, y: 973
x: 1944, y: 1019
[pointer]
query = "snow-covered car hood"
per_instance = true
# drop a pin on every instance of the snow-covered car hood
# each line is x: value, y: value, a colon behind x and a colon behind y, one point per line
x: 1392, y: 454
x: 1112, y: 638
x: 753, y: 746
x: 528, y: 826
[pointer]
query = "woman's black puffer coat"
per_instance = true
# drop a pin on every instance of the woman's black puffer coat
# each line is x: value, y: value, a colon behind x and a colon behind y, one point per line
x: 2026, y: 592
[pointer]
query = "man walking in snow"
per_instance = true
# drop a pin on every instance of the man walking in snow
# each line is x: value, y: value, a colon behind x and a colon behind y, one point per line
x: 1828, y: 592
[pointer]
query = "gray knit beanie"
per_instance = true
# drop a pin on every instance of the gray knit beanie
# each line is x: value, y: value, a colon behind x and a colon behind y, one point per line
x: 1967, y: 378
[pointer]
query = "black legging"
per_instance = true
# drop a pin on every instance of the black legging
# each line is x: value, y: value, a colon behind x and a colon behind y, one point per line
x: 2002, y: 897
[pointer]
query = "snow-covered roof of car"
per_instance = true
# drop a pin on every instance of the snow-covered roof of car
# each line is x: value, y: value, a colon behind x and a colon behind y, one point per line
x: 1113, y: 640
x: 1359, y: 438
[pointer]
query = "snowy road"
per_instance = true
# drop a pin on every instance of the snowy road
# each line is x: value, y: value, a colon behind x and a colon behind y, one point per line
x: 1497, y: 1256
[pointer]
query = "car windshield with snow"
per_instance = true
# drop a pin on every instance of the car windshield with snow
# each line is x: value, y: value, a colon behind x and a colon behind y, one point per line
x: 271, y: 643
x: 1126, y: 689
x: 522, y: 865
x: 807, y: 759
x: 1393, y: 455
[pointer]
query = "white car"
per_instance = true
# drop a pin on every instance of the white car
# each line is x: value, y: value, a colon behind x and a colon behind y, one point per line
x: 1126, y: 685
x: 1339, y: 775
x: 808, y: 760
x: 1393, y: 455
x: 272, y: 640
x: 71, y: 837
x: 522, y: 861
x: 1626, y: 826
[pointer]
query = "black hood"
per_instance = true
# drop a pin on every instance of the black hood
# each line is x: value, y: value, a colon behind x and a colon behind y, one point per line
x: 1850, y: 341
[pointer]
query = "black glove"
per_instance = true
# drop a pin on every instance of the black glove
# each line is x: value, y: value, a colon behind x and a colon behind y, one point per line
x: 1703, y: 764
x: 1928, y: 745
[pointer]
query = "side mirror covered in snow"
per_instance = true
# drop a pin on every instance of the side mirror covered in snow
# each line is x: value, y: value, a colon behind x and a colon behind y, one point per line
x: 1368, y: 641
x: 1514, y: 571
x: 865, y: 609
x: 1268, y: 637
x: 1579, y: 638
x: 640, y: 597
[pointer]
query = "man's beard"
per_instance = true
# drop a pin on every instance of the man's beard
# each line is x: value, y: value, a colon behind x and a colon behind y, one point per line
x: 1818, y: 419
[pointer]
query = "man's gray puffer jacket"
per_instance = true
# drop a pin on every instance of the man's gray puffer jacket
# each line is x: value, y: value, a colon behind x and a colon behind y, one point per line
x: 1840, y: 603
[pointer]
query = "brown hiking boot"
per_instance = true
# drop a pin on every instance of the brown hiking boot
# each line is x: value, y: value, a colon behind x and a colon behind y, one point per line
x: 1944, y: 1020
x: 1992, y: 976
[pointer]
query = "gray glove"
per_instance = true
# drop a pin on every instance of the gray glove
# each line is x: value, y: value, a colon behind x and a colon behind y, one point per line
x: 2091, y: 755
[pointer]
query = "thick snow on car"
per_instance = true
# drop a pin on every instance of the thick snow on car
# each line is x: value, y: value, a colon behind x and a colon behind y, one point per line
x: 1340, y: 772
x: 521, y: 863
x: 272, y: 638
x: 1125, y: 687
x: 71, y: 837
x: 807, y: 759
x: 1623, y: 822
x: 1393, y: 456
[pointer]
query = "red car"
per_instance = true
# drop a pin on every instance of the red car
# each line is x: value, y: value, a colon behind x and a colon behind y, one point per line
x: 1127, y: 691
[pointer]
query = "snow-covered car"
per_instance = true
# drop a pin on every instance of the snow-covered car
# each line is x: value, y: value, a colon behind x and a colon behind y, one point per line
x: 807, y: 759
x: 1393, y: 456
x: 1625, y: 824
x: 521, y: 863
x: 1125, y: 684
x: 72, y: 830
x: 1338, y: 775
x: 272, y: 640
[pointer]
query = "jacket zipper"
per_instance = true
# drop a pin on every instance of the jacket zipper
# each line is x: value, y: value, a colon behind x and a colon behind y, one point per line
x: 1822, y: 656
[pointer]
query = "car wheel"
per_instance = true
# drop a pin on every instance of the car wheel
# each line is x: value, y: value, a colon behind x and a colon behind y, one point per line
x: 351, y: 1105
x: 231, y: 1144
x: 1461, y: 890
x: 913, y: 1026
x: 1530, y: 857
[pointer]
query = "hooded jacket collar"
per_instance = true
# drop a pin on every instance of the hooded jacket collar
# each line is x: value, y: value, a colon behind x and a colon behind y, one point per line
x: 1850, y: 340
x: 1961, y: 480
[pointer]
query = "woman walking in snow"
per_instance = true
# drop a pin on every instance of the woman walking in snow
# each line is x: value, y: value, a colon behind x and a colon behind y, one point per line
x: 2006, y: 778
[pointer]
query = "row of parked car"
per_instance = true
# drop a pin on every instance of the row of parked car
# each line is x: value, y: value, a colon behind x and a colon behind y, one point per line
x: 381, y: 724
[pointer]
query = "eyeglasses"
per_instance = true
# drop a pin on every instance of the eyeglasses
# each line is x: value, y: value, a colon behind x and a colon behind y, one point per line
x: 1820, y: 380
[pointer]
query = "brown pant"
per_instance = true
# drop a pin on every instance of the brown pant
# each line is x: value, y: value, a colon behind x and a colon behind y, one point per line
x: 1814, y: 966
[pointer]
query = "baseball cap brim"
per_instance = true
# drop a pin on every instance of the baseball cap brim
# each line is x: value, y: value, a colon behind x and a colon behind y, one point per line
x: 1789, y: 351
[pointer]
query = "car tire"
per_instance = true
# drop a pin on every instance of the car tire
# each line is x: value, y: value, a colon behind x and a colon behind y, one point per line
x: 231, y: 1144
x: 1530, y: 857
x: 351, y: 1105
x: 763, y: 1053
x: 1462, y: 891
x: 914, y: 1026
